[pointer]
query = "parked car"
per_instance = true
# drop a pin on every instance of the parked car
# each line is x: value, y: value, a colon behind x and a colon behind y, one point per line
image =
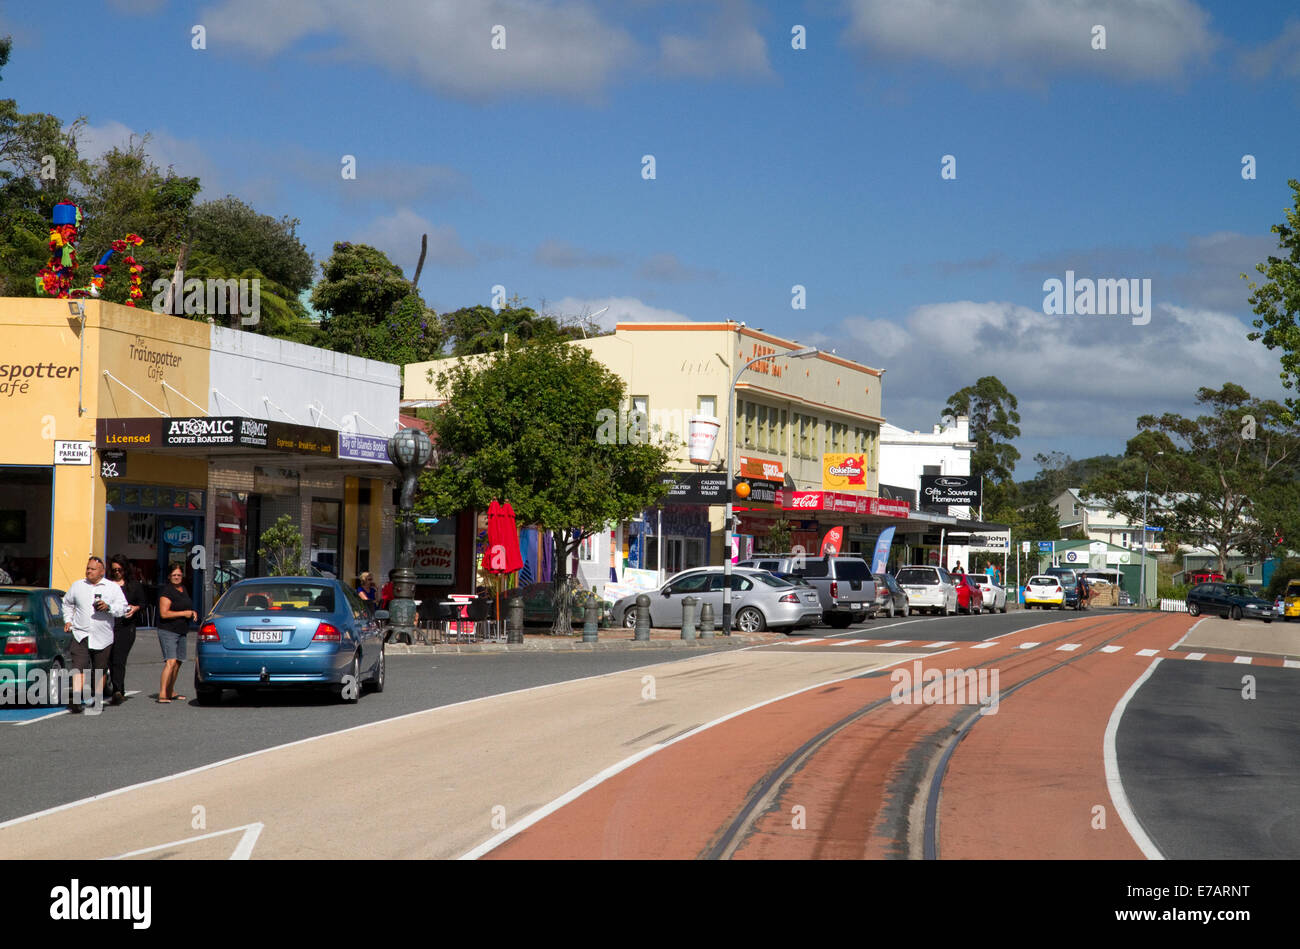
x: 931, y: 589
x: 1229, y: 600
x: 1291, y: 600
x: 890, y: 597
x: 759, y: 600
x: 1045, y: 591
x: 970, y: 599
x: 290, y: 632
x: 540, y: 604
x: 995, y: 596
x: 31, y: 631
x: 843, y: 582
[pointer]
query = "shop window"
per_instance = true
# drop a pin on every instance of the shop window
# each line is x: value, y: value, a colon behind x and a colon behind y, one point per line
x: 325, y: 516
x: 587, y: 548
x: 784, y: 447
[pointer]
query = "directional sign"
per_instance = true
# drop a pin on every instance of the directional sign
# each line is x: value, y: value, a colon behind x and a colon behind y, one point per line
x: 1046, y: 546
x: 1155, y: 528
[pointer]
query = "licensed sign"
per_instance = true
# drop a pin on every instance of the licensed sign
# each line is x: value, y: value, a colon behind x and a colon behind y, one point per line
x: 945, y: 490
x: 72, y: 453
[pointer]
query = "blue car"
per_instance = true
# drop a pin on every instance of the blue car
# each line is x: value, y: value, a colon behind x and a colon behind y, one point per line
x: 289, y: 631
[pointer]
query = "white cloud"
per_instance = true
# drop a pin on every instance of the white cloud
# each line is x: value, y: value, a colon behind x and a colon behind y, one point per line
x: 398, y: 236
x: 552, y: 47
x: 185, y: 157
x: 558, y: 253
x: 616, y: 310
x: 1029, y: 40
x: 1283, y: 54
x: 730, y: 45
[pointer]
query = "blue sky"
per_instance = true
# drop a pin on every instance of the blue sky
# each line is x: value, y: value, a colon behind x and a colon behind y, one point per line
x: 774, y: 166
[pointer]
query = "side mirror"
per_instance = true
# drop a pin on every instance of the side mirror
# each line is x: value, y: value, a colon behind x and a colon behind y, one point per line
x: 381, y: 614
x: 666, y: 592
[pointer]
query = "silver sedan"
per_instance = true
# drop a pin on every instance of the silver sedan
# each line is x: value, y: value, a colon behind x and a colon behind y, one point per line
x: 759, y: 600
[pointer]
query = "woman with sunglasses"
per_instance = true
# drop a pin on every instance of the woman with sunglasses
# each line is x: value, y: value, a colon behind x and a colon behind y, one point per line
x: 119, y: 572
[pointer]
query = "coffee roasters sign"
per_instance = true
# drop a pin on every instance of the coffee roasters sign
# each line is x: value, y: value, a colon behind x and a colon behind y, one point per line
x: 201, y: 431
x: 214, y: 432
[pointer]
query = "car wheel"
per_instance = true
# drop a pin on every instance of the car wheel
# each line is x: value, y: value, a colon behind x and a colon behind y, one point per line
x: 750, y: 620
x: 629, y: 617
x: 205, y: 694
x: 349, y: 690
x: 1004, y: 606
x: 1194, y: 609
x: 890, y: 611
x: 1236, y: 612
x: 377, y: 683
x: 907, y: 610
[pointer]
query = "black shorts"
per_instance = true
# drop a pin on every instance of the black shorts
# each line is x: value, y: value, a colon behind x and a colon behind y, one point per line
x: 83, y: 657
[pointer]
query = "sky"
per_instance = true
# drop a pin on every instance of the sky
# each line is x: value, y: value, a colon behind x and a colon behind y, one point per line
x: 920, y: 168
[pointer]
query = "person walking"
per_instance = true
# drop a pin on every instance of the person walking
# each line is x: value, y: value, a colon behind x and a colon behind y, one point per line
x: 366, y: 588
x: 124, y: 627
x: 89, y: 608
x: 175, y: 610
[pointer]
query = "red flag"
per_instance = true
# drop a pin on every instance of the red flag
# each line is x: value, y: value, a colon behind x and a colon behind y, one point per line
x: 832, y: 541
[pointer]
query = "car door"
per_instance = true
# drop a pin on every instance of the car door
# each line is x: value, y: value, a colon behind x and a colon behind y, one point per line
x: 365, y: 631
x: 59, y: 642
x: 666, y: 609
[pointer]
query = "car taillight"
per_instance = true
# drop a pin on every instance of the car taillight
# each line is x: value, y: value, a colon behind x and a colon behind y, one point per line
x: 835, y: 590
x: 209, y: 634
x: 20, y: 646
x: 789, y: 598
x: 325, y: 633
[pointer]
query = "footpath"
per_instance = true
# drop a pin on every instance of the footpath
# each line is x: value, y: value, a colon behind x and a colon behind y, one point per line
x: 614, y: 638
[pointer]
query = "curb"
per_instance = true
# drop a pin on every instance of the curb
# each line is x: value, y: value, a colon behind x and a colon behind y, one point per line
x: 561, y: 644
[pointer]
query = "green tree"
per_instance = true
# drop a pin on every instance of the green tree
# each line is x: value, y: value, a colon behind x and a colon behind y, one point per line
x: 994, y: 425
x: 779, y: 537
x: 280, y: 548
x: 369, y: 309
x: 481, y: 329
x: 1277, y: 301
x: 242, y: 239
x: 1226, y: 480
x: 521, y: 425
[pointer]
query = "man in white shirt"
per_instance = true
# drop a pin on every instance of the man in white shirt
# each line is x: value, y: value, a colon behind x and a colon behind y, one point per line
x: 89, y: 607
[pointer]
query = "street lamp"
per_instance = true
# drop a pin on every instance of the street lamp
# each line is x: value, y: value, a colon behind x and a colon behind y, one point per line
x: 409, y: 450
x: 1142, y: 576
x: 731, y: 445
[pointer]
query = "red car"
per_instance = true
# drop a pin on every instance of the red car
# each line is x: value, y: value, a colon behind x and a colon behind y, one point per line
x: 969, y: 597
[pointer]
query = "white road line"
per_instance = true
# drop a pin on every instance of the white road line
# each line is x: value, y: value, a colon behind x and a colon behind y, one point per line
x: 851, y: 642
x: 1029, y: 645
x: 243, y: 850
x: 1111, y: 648
x: 1148, y: 652
x: 983, y: 645
x: 1113, y: 782
x: 342, y: 731
x: 1244, y: 660
x: 547, y: 809
x: 939, y: 645
x: 1196, y: 656
x: 896, y: 642
x: 801, y: 642
x: 1291, y: 663
x: 1068, y: 647
x: 32, y: 721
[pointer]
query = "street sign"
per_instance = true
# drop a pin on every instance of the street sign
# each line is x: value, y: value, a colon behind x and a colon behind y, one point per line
x: 1155, y: 528
x: 1024, y: 546
x: 1046, y: 546
x: 72, y: 453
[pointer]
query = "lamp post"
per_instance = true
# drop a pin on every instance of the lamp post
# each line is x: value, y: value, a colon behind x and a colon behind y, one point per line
x: 409, y: 450
x: 1142, y: 575
x: 731, y: 445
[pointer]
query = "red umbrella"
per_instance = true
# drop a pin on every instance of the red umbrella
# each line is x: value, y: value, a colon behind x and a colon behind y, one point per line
x: 502, y: 555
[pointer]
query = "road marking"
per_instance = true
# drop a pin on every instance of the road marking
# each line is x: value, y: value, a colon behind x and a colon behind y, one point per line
x: 1111, y: 648
x: 1111, y: 759
x: 1196, y: 656
x: 939, y: 645
x: 243, y: 850
x: 1068, y: 647
x: 984, y: 645
x: 572, y: 795
x: 802, y: 642
x: 1244, y: 660
x: 896, y: 642
x: 851, y: 642
x: 1029, y: 645
x: 1147, y: 652
x: 1291, y: 663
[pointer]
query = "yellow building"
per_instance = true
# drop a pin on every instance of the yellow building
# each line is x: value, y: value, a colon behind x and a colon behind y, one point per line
x: 172, y: 440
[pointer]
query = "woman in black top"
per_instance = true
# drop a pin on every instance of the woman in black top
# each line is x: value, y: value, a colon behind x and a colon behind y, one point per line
x: 175, y: 610
x: 124, y: 626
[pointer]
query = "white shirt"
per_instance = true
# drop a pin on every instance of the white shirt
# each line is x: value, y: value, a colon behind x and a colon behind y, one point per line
x: 79, y: 610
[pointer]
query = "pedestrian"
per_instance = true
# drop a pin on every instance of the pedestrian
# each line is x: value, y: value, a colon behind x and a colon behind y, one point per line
x: 386, y: 593
x: 366, y: 588
x: 123, y: 626
x: 89, y: 607
x: 175, y: 610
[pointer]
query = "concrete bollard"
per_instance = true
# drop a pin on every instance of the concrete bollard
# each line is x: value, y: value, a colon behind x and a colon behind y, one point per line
x: 515, y: 620
x: 641, y: 631
x: 688, y: 616
x: 706, y: 621
x: 590, y: 623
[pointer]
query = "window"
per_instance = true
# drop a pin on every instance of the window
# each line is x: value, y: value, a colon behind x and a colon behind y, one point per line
x: 641, y: 403
x: 695, y: 583
x: 761, y: 419
x: 784, y: 445
x: 587, y: 548
x: 707, y: 405
x: 751, y: 412
x: 1076, y: 510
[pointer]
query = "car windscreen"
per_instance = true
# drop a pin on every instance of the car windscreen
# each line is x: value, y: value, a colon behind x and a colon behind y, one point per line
x: 850, y: 569
x: 917, y: 578
x: 13, y: 604
x: 292, y: 596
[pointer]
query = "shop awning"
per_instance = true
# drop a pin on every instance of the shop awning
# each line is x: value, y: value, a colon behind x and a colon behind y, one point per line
x: 236, y: 435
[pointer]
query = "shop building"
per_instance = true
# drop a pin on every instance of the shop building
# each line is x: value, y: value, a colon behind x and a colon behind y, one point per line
x: 175, y: 441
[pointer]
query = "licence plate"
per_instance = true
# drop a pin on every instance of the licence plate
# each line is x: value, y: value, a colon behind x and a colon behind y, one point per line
x: 266, y: 636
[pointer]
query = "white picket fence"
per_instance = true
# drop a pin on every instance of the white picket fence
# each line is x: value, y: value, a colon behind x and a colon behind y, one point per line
x: 1172, y: 606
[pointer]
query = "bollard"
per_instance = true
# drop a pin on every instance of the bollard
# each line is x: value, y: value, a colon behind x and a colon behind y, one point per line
x: 706, y: 621
x: 515, y: 620
x: 590, y: 621
x: 688, y: 616
x: 641, y: 632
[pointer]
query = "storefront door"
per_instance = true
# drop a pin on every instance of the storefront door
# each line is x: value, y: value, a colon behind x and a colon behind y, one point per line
x: 177, y: 536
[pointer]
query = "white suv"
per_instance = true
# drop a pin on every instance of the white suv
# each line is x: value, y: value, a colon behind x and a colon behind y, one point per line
x: 928, y: 589
x: 995, y: 596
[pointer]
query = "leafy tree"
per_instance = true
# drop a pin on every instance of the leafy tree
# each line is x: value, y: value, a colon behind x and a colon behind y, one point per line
x: 1225, y: 480
x: 522, y: 425
x: 242, y: 239
x: 281, y: 548
x: 1277, y: 302
x: 481, y: 329
x: 994, y: 425
x: 281, y: 312
x: 779, y: 536
x: 371, y: 310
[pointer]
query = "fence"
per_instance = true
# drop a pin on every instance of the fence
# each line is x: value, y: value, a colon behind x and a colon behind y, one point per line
x: 1172, y: 606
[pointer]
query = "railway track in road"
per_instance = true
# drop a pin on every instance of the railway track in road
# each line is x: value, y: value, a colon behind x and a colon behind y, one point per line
x: 920, y: 825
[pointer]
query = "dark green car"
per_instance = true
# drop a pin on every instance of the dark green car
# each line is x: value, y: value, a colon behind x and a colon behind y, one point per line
x: 539, y: 604
x: 31, y: 631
